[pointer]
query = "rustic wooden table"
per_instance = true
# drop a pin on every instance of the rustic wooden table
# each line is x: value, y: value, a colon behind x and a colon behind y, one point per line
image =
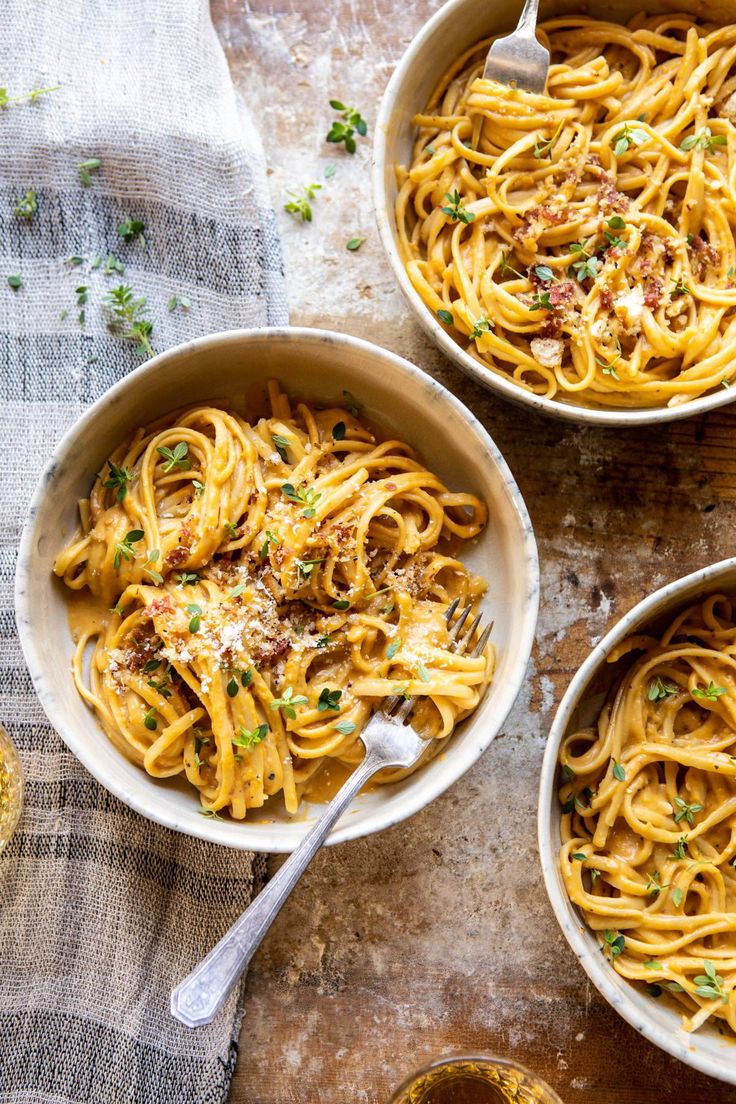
x: 436, y: 937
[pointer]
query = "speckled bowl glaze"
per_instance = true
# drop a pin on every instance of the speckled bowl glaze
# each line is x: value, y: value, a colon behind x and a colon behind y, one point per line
x: 316, y: 364
x: 656, y: 1019
x: 452, y: 30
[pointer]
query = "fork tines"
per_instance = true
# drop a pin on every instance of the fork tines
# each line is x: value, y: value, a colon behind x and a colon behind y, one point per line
x: 460, y: 643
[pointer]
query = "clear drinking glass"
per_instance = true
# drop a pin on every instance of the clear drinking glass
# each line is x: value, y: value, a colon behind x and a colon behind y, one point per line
x: 11, y: 788
x: 474, y: 1079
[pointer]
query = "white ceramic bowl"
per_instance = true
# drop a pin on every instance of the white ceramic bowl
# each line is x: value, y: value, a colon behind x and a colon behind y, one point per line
x: 452, y: 30
x: 317, y: 364
x: 657, y: 1020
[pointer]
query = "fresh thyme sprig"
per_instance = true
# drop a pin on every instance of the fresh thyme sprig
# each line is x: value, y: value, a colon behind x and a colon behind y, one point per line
x: 129, y: 317
x: 288, y: 702
x: 344, y: 131
x: 118, y: 480
x: 481, y: 326
x: 703, y: 139
x: 711, y: 693
x: 237, y: 679
x: 541, y: 302
x: 195, y: 612
x: 124, y: 548
x: 710, y: 985
x: 300, y: 204
x: 456, y: 209
x: 659, y: 690
x: 271, y: 538
x: 178, y: 457
x: 113, y: 264
x: 182, y: 301
x: 305, y: 496
x: 306, y: 567
x: 248, y: 738
x: 32, y: 96
x: 86, y: 168
x: 613, y: 944
x: 627, y: 137
x: 609, y: 366
x: 685, y: 811
x: 131, y: 230
x: 151, y: 558
x: 282, y: 445
x: 26, y: 206
x: 82, y: 293
x: 329, y: 699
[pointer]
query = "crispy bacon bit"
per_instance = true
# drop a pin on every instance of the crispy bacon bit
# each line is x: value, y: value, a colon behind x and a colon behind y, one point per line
x: 646, y: 255
x: 140, y: 650
x: 179, y: 555
x: 560, y: 295
x: 343, y: 532
x: 594, y: 159
x: 551, y: 326
x: 609, y: 197
x: 536, y: 219
x: 669, y: 251
x: 160, y: 605
x: 702, y: 256
x: 390, y: 486
x: 653, y: 291
x: 274, y: 649
x: 280, y: 553
x: 553, y: 216
x: 605, y: 298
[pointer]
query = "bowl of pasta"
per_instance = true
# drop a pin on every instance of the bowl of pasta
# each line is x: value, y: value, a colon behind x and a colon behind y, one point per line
x: 637, y: 809
x: 573, y: 251
x: 240, y: 550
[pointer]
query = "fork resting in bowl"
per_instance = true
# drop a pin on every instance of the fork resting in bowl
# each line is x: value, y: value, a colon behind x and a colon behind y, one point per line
x: 389, y: 742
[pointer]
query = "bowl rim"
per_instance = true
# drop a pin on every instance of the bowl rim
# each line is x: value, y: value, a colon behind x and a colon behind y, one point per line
x: 247, y: 835
x: 487, y: 377
x: 679, y: 1044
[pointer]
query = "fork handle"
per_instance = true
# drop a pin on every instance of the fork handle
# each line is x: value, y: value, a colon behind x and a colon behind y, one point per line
x: 199, y: 997
x: 528, y: 18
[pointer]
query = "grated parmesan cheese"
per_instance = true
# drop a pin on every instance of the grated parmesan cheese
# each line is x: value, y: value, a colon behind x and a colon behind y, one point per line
x: 630, y: 307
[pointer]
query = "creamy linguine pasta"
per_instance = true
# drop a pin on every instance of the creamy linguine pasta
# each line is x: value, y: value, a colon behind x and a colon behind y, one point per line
x: 258, y: 587
x: 582, y: 242
x: 649, y: 824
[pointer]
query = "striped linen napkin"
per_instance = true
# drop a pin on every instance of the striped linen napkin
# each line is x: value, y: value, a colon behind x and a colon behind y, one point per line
x: 101, y: 912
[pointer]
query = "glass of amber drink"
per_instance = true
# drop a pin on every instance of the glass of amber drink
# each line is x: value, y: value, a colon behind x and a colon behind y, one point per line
x: 474, y: 1079
x: 11, y: 788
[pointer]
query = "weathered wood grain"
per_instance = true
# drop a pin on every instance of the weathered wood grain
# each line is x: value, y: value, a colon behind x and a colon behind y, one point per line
x: 436, y: 937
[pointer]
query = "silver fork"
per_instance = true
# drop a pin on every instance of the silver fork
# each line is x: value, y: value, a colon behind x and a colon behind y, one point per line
x: 389, y: 742
x: 519, y: 59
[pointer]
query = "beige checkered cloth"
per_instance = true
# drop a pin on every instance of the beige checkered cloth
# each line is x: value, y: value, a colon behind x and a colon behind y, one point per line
x: 101, y: 912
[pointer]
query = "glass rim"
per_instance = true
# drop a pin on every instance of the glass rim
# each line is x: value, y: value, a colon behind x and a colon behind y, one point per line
x: 510, y: 1064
